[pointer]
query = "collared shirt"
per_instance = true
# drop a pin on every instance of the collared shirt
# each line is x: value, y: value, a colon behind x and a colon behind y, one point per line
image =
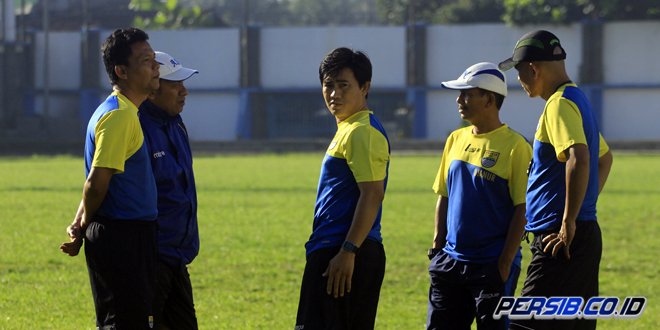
x: 566, y: 120
x: 359, y: 152
x: 114, y: 140
x: 171, y: 160
x: 483, y: 176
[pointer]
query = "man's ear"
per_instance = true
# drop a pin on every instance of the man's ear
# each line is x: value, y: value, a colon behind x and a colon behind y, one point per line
x: 365, y: 88
x: 491, y: 98
x: 120, y: 71
x: 535, y: 68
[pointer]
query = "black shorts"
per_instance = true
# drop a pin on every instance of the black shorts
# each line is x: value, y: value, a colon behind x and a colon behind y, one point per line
x: 355, y: 310
x: 556, y: 276
x: 121, y: 260
x: 173, y: 305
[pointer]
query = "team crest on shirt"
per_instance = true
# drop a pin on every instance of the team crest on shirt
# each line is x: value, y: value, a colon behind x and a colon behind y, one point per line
x: 489, y: 159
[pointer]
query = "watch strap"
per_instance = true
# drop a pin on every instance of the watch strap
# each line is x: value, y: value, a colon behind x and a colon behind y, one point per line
x: 348, y: 246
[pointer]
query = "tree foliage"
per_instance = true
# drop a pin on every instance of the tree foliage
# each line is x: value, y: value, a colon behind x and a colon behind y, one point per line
x: 155, y: 14
x: 168, y: 14
x: 522, y: 12
x: 439, y: 11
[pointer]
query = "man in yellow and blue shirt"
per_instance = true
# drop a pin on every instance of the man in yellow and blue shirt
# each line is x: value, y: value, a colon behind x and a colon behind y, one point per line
x: 571, y: 163
x: 117, y: 215
x: 475, y: 258
x: 345, y: 256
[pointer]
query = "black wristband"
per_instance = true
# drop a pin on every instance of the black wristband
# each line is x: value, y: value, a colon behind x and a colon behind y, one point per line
x: 349, y: 247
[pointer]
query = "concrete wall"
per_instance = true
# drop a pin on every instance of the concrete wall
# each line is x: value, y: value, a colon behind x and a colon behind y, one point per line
x: 452, y: 49
x: 288, y: 60
x: 291, y: 56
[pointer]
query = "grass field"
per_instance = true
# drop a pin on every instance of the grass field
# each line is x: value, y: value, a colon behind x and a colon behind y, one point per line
x: 255, y: 215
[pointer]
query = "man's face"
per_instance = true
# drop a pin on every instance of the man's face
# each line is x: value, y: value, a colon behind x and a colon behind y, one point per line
x: 170, y: 96
x: 526, y: 77
x: 471, y: 103
x: 343, y: 95
x: 142, y: 69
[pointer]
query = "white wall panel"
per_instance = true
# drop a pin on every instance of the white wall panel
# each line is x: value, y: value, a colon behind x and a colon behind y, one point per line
x: 63, y: 60
x: 215, y: 53
x: 630, y: 53
x: 291, y: 56
x: 518, y: 111
x: 453, y: 48
x: 211, y: 117
x: 631, y: 115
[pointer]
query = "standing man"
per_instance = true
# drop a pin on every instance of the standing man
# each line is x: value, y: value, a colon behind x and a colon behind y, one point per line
x: 178, y: 236
x: 117, y: 214
x: 345, y: 257
x: 570, y: 165
x: 480, y: 214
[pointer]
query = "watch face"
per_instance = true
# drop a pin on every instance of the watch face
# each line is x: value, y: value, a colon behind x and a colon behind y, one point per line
x: 350, y: 247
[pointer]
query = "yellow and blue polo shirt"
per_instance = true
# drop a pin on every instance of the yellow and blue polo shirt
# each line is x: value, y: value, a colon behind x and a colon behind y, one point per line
x: 359, y: 152
x: 484, y: 177
x: 114, y: 140
x: 567, y: 119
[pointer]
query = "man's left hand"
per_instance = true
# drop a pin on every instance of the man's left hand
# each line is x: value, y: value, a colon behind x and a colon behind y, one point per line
x: 563, y: 239
x: 340, y: 273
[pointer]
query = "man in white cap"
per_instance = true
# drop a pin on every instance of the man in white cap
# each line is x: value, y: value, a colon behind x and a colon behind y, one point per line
x: 171, y: 161
x: 480, y: 213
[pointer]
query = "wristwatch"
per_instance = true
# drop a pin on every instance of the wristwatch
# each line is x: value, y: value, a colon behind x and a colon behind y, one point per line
x: 348, y: 246
x: 432, y: 252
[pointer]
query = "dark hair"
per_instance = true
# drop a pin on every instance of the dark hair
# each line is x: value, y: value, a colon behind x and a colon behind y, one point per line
x: 499, y: 98
x: 341, y: 58
x: 116, y: 49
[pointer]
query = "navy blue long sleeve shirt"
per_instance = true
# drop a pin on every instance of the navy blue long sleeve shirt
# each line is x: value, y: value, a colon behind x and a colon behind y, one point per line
x: 171, y: 160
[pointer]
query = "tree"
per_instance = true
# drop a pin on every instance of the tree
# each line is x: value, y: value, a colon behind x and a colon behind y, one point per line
x: 170, y: 14
x: 520, y: 12
x: 439, y: 11
x: 155, y: 14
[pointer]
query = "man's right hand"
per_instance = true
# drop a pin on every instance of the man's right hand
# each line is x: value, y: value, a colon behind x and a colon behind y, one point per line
x: 75, y: 232
x: 72, y: 248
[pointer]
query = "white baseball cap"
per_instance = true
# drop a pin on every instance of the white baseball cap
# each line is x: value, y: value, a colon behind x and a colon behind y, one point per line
x: 171, y: 69
x: 484, y: 75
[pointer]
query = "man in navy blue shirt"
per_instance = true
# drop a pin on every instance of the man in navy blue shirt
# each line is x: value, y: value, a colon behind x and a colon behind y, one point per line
x: 171, y: 161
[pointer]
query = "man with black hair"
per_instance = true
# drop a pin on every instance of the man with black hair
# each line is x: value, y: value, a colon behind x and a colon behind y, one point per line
x: 345, y: 256
x: 117, y: 215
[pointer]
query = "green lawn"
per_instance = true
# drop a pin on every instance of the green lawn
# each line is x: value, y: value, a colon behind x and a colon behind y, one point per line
x: 255, y: 215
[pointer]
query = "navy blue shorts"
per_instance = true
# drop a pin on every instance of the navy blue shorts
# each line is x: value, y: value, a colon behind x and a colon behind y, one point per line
x: 462, y: 291
x: 355, y: 310
x: 121, y: 260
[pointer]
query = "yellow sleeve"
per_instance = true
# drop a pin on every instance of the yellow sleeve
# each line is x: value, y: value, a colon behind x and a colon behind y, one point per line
x: 112, y: 134
x: 564, y: 126
x: 603, y: 147
x: 440, y: 184
x: 367, y: 154
x: 521, y: 155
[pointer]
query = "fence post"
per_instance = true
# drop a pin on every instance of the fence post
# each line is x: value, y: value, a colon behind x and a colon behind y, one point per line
x: 591, y: 68
x: 89, y: 81
x: 252, y: 119
x: 416, y: 77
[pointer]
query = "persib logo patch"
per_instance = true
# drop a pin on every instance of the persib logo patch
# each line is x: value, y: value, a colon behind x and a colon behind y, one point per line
x: 489, y: 159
